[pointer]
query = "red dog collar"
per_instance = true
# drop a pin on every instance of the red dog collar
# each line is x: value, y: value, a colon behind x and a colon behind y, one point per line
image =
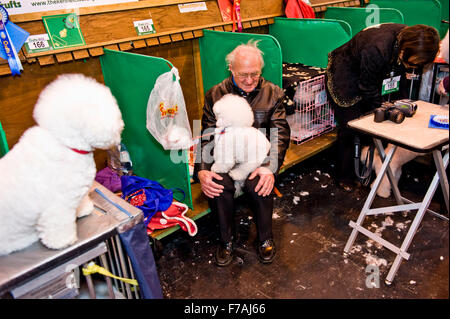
x: 80, y: 151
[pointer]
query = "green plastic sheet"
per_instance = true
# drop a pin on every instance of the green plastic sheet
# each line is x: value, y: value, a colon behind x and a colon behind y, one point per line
x: 131, y: 78
x: 426, y: 12
x: 215, y: 45
x: 361, y: 18
x: 444, y: 16
x: 309, y: 41
x: 3, y: 143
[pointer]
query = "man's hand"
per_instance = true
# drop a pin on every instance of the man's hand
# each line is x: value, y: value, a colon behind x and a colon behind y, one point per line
x: 209, y: 187
x: 266, y: 180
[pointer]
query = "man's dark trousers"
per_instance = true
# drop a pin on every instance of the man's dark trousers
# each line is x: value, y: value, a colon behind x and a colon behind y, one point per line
x: 224, y: 206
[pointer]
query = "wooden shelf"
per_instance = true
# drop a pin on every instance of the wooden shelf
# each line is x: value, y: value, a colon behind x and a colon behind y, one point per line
x: 111, y: 26
x: 321, y: 5
x: 297, y: 153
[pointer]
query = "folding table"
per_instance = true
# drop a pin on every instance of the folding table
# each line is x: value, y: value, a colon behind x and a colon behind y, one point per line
x: 413, y: 134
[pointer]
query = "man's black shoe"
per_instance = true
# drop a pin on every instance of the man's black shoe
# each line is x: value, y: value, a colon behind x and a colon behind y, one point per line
x: 224, y: 254
x: 266, y: 251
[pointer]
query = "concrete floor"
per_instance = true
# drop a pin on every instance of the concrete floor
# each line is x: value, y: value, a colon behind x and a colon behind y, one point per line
x: 310, y: 234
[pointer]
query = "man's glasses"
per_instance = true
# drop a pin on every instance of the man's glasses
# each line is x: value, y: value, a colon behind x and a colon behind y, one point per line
x: 253, y: 75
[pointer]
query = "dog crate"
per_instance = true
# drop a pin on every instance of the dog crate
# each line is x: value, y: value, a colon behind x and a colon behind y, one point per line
x: 99, y: 265
x: 313, y: 115
x: 118, y: 284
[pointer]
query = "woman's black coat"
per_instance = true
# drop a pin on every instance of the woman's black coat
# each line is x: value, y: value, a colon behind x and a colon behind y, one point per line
x: 357, y: 69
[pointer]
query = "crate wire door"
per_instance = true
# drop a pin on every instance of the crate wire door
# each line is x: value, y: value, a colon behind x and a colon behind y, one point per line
x: 313, y: 115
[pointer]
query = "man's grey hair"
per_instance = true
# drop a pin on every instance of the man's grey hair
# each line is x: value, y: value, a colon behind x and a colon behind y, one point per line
x: 252, y: 45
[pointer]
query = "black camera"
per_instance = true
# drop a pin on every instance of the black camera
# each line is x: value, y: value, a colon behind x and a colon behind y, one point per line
x: 406, y: 106
x: 388, y: 111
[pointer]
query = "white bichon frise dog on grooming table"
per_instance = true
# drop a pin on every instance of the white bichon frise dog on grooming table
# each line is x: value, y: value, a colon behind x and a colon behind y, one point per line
x: 46, y: 176
x: 239, y: 148
x: 401, y: 157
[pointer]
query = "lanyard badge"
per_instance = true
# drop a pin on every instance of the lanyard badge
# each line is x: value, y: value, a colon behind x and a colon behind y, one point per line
x: 391, y: 84
x: 7, y: 47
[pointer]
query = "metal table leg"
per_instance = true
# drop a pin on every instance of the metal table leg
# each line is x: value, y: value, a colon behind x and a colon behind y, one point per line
x: 421, y: 212
x: 441, y: 165
x: 104, y: 264
x: 90, y: 285
x: 370, y: 198
x: 422, y: 207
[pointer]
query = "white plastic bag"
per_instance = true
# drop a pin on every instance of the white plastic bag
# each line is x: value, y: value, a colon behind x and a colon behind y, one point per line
x: 167, y: 118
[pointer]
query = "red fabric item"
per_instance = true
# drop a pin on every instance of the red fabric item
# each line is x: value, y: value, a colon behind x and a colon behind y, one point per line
x: 174, y: 215
x: 137, y: 198
x: 298, y: 9
x: 226, y: 9
x: 237, y: 16
x: 231, y: 11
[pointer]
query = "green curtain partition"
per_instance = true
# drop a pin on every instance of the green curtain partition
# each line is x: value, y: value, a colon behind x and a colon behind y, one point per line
x: 309, y: 41
x: 415, y: 11
x: 131, y: 78
x: 361, y: 18
x: 444, y: 16
x: 3, y: 143
x: 215, y: 45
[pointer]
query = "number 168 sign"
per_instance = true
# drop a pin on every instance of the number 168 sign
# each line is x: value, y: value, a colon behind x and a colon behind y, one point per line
x: 144, y: 27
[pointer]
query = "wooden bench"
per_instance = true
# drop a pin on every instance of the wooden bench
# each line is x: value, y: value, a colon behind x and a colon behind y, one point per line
x: 294, y: 155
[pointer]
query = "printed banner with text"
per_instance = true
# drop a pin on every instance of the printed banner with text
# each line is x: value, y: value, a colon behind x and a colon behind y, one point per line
x: 28, y: 6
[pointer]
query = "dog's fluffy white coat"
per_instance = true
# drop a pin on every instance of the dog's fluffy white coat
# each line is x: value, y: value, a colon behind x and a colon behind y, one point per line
x: 241, y: 148
x: 401, y: 157
x: 42, y: 180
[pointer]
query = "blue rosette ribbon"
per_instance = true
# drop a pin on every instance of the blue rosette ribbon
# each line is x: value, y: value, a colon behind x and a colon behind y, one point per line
x: 7, y: 47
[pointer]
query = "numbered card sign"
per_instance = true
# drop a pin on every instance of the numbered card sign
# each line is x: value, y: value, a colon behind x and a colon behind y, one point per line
x: 38, y: 43
x: 144, y: 27
x: 391, y: 85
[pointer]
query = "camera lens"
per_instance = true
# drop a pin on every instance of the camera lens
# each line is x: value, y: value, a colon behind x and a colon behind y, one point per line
x: 379, y: 115
x: 396, y: 116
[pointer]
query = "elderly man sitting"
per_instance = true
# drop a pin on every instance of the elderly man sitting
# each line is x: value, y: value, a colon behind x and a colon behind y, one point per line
x: 245, y: 63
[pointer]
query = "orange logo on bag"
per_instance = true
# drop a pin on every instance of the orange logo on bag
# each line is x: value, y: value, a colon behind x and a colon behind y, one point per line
x: 170, y: 112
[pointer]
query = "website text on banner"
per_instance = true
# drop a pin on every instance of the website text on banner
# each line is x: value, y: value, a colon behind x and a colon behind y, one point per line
x: 29, y: 6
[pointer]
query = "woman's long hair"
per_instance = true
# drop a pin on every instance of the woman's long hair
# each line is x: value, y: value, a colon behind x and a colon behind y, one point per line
x: 419, y: 43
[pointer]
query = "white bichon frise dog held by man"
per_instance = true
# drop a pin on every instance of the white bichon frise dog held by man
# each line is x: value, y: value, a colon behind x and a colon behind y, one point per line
x: 239, y: 148
x: 46, y: 177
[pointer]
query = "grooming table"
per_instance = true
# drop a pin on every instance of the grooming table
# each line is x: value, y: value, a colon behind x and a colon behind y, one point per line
x: 413, y: 134
x: 39, y: 272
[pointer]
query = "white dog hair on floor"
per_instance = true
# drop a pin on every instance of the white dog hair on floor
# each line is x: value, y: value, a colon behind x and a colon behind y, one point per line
x: 49, y: 172
x: 401, y: 156
x: 241, y: 148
